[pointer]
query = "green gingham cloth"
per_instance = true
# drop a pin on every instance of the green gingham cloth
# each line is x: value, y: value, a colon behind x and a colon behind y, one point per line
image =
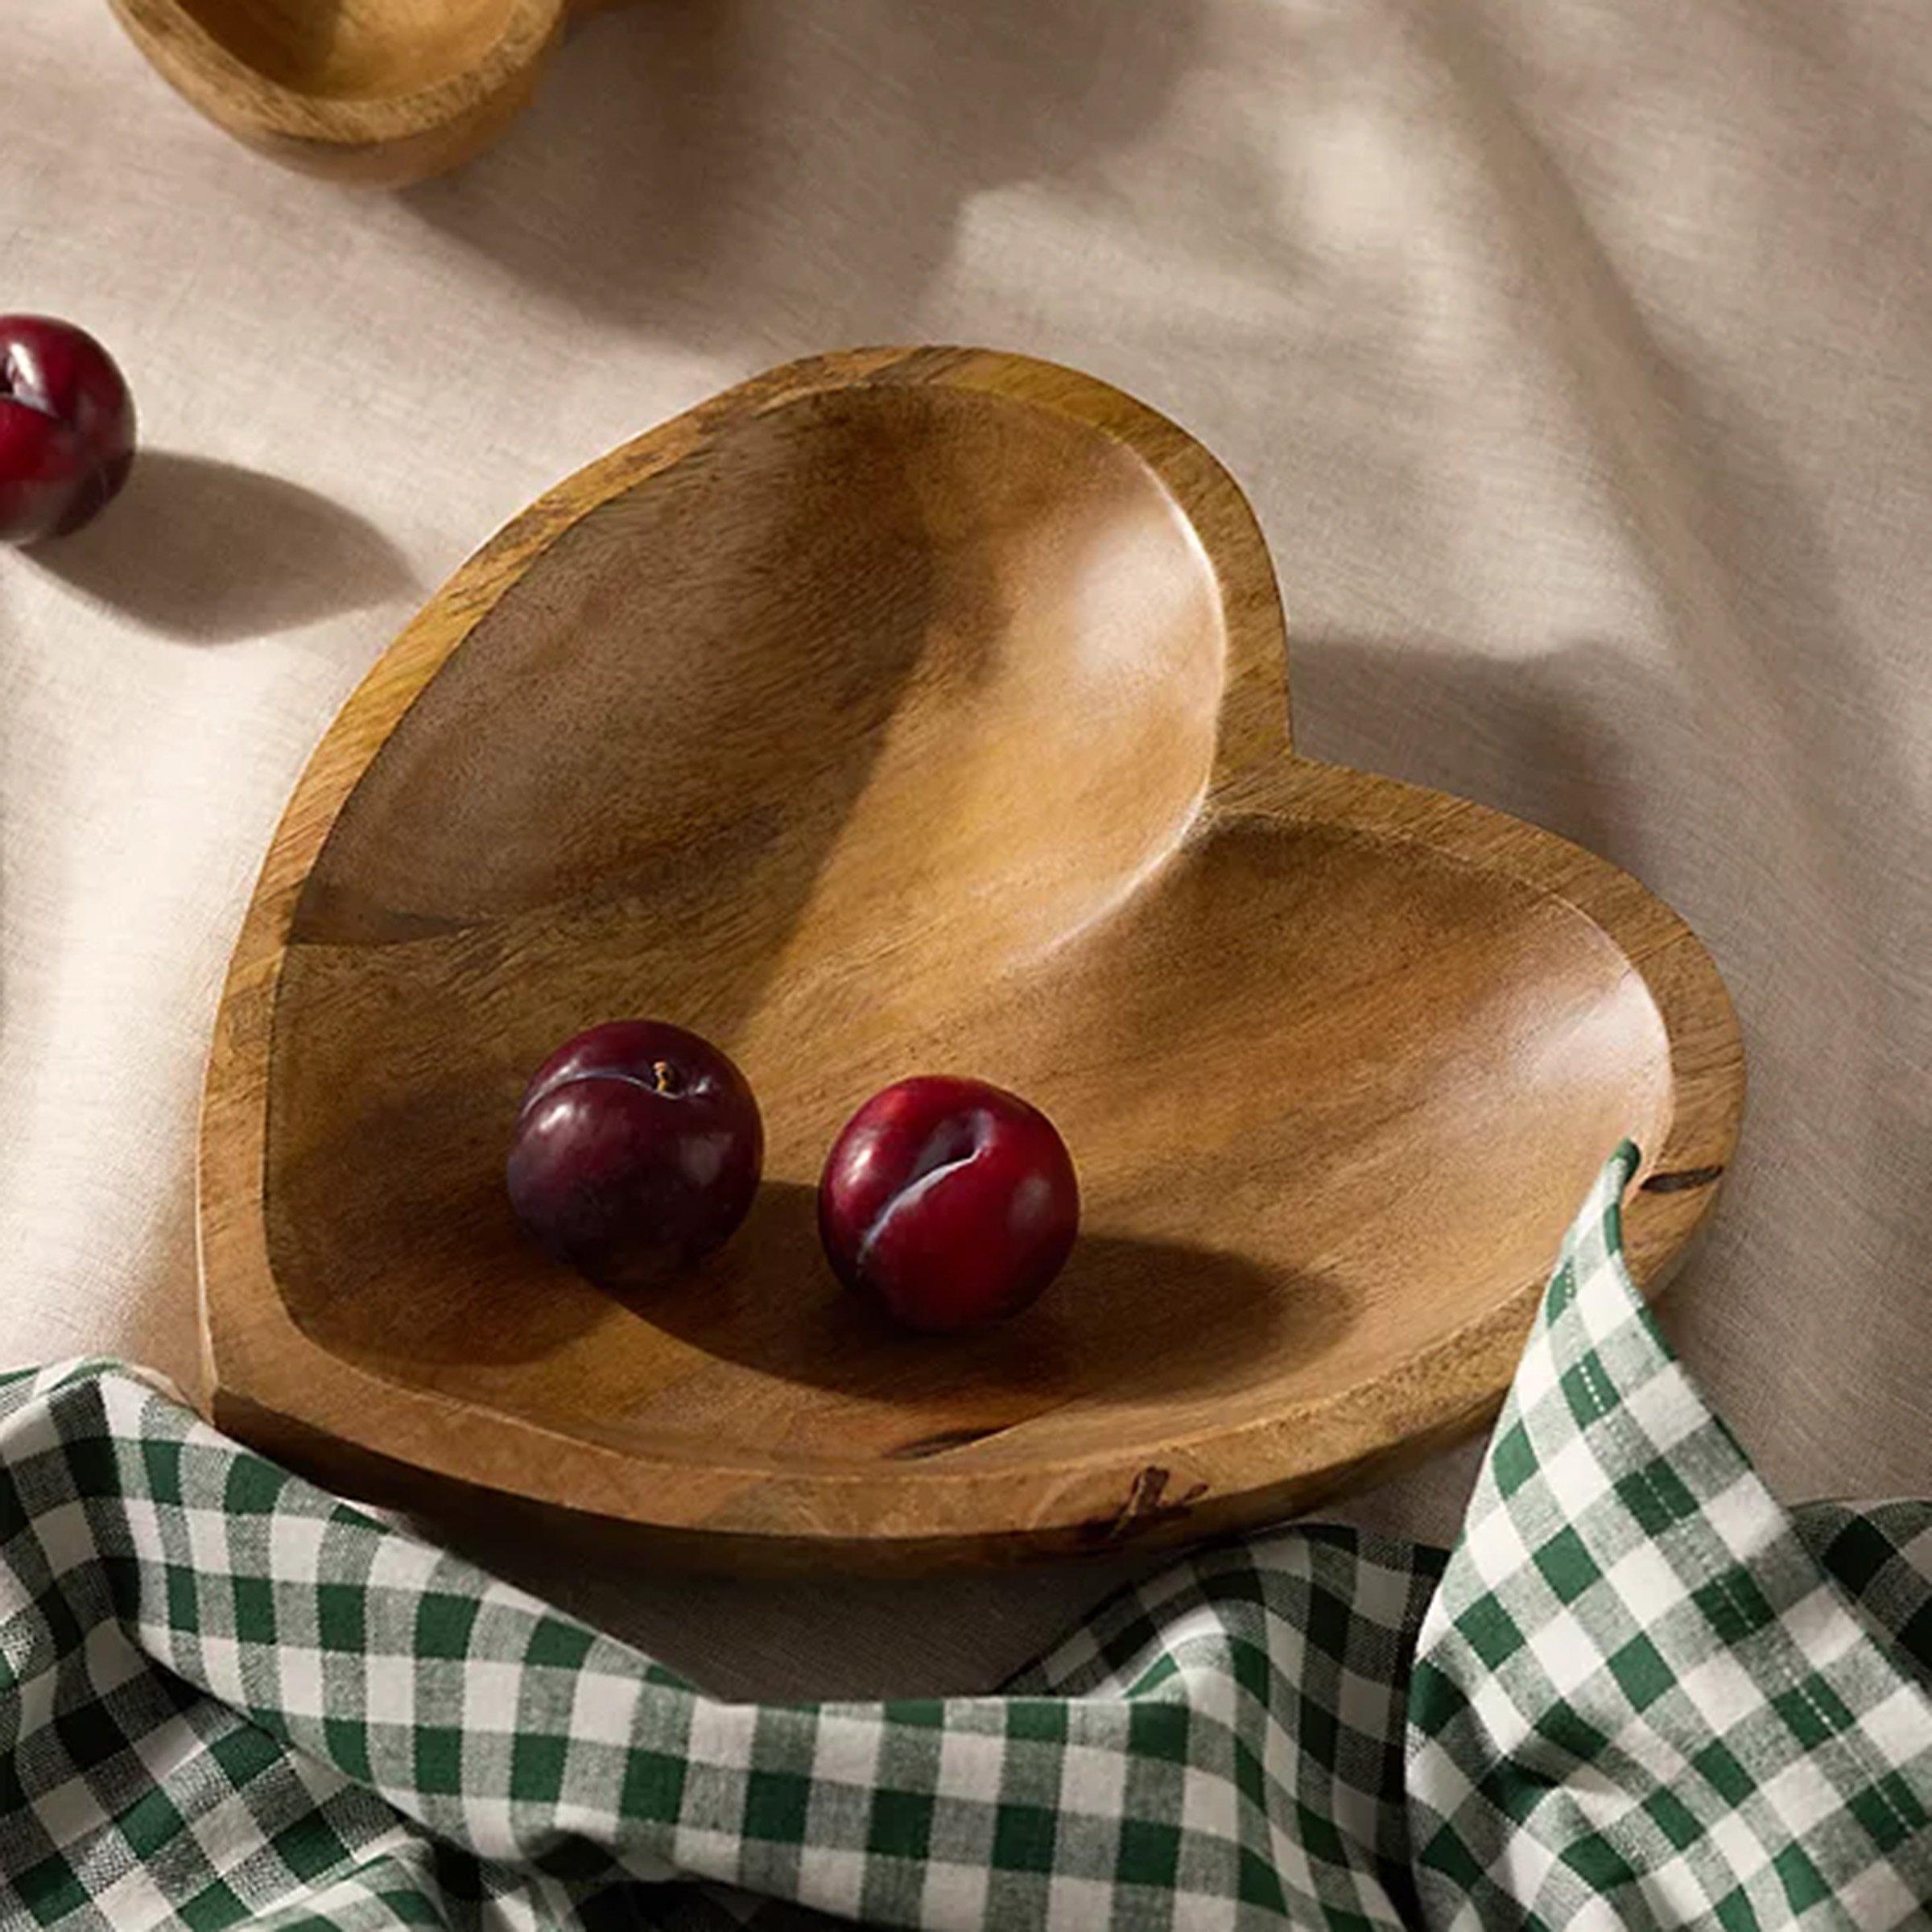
x: 1638, y: 1693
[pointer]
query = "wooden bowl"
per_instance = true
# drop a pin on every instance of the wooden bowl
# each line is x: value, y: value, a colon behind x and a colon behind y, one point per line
x: 907, y: 711
x: 381, y: 92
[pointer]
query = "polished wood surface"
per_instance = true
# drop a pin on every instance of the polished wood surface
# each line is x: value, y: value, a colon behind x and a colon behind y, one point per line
x: 378, y: 92
x: 910, y: 710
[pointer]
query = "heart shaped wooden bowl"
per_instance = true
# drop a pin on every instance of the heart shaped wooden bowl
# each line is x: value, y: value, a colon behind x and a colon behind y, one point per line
x: 905, y: 711
x: 382, y: 92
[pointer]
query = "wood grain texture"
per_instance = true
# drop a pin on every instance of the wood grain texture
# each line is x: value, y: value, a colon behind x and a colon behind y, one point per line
x: 900, y: 711
x: 379, y: 92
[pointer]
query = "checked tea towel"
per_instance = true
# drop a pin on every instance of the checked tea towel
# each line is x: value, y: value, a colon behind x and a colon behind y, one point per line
x: 1637, y: 1694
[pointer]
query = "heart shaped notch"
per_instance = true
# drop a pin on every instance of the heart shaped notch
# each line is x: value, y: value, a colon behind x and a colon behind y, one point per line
x: 905, y: 710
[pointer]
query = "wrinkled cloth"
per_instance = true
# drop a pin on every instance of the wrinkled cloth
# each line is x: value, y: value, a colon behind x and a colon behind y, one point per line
x: 1636, y: 1693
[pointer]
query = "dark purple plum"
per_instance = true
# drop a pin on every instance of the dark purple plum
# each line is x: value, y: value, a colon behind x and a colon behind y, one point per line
x: 948, y: 1203
x: 67, y: 428
x: 636, y: 1151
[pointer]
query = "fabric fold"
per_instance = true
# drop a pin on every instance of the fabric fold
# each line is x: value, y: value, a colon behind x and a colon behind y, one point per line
x: 1637, y: 1693
x: 1641, y: 1699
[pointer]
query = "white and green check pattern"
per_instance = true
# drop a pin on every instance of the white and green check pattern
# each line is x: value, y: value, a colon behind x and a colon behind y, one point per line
x: 1637, y: 1694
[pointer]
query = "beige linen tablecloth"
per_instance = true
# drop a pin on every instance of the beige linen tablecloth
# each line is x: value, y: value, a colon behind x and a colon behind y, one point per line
x: 1577, y: 359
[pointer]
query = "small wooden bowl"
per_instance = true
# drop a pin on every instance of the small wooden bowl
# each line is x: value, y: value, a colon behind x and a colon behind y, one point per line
x: 907, y: 711
x: 379, y: 92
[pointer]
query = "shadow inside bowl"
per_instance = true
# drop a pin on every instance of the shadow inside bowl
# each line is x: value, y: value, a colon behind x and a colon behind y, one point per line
x: 1128, y: 1318
x: 769, y: 1302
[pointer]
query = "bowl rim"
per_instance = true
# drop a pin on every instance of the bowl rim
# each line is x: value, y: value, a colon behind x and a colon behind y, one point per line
x: 254, y: 106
